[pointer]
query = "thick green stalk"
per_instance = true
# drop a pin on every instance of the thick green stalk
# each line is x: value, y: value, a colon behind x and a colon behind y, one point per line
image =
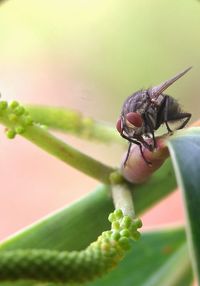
x: 70, y: 121
x: 122, y: 198
x: 76, y: 266
x: 68, y: 154
x: 122, y: 194
x: 17, y: 119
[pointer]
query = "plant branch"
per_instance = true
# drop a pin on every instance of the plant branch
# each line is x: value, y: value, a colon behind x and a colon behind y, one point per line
x: 76, y: 266
x: 17, y: 119
x: 123, y: 200
x: 70, y: 121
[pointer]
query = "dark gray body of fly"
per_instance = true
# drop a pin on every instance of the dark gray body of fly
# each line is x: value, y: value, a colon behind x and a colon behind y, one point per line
x: 145, y: 111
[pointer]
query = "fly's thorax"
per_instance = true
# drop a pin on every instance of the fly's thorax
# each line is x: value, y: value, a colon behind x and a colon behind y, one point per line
x: 137, y: 102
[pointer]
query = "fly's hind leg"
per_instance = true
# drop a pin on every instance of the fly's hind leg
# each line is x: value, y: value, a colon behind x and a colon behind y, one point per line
x: 166, y: 114
x: 178, y: 116
x: 185, y: 115
x: 149, y: 123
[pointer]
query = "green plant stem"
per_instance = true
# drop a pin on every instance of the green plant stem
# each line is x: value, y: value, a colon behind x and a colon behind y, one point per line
x: 70, y: 121
x: 42, y: 138
x: 68, y: 154
x: 123, y: 200
x: 76, y: 266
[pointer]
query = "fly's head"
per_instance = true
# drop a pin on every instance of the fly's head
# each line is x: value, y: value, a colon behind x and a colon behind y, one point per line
x: 131, y: 124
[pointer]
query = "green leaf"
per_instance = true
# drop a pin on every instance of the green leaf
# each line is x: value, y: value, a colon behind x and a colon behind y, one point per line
x: 185, y: 152
x: 88, y: 216
x: 83, y: 220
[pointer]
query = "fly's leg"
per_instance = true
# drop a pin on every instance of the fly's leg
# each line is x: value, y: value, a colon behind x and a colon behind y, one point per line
x: 140, y: 146
x: 149, y: 123
x: 166, y: 114
x: 183, y: 115
x: 128, y: 153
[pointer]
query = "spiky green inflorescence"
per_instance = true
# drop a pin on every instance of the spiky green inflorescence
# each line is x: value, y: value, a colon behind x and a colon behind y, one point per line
x: 76, y: 266
x: 16, y: 117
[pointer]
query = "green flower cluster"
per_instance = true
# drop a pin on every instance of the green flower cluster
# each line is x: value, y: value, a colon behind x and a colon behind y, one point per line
x: 113, y: 244
x: 16, y: 117
x: 76, y: 266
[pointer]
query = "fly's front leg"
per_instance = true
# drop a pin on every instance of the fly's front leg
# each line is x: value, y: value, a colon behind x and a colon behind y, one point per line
x: 149, y: 123
x: 127, y: 154
x: 137, y: 143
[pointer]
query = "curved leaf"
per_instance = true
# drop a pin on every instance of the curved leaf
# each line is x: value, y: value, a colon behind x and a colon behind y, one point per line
x: 185, y: 152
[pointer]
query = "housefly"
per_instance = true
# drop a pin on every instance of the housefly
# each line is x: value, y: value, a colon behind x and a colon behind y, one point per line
x: 145, y: 111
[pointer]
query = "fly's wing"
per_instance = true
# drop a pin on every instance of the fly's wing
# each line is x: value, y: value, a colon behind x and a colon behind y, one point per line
x: 157, y: 90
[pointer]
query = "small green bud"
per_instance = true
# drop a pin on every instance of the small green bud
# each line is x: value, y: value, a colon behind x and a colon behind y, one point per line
x: 19, y: 110
x: 10, y: 134
x: 126, y: 222
x: 115, y: 235
x: 105, y: 246
x: 3, y: 105
x: 132, y: 229
x: 137, y: 223
x: 12, y: 117
x: 105, y: 234
x: 112, y: 251
x: 115, y: 225
x: 136, y: 235
x: 116, y: 178
x: 111, y: 217
x: 14, y: 104
x: 124, y: 243
x: 118, y: 213
x: 28, y: 120
x: 96, y: 244
x: 19, y: 129
x: 125, y: 233
x: 105, y: 239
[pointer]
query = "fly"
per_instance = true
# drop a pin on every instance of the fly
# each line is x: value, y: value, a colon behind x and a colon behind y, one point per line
x: 145, y: 111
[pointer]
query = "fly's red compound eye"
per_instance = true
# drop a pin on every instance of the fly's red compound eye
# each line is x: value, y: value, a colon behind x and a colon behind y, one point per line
x: 134, y: 118
x: 119, y: 125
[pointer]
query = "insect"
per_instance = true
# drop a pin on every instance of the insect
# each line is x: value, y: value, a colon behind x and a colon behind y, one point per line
x: 145, y: 111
